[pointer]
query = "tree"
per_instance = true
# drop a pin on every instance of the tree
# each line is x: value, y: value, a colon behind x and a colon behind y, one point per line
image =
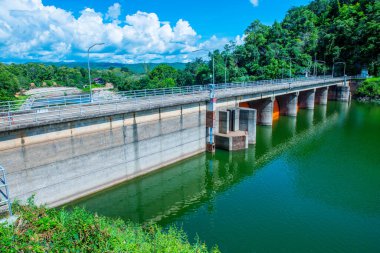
x: 9, y: 84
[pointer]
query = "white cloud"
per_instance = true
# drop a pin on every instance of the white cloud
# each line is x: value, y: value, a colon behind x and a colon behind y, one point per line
x: 30, y: 30
x: 114, y: 12
x: 254, y: 2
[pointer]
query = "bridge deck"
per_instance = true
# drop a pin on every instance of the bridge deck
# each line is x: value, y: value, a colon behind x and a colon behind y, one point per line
x: 49, y: 115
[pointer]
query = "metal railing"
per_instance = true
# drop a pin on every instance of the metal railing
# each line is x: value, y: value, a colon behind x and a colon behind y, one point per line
x: 13, y: 115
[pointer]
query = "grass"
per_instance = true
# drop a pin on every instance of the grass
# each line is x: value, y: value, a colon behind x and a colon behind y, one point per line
x: 94, y: 86
x: 39, y: 229
x: 369, y: 88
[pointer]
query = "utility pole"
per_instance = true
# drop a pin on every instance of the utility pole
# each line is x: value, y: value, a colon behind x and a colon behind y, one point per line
x: 89, y: 69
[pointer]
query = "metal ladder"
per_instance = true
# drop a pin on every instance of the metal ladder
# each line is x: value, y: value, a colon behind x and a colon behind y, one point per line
x: 4, y: 192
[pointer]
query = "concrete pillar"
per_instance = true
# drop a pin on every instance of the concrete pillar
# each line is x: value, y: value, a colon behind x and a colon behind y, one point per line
x: 321, y: 95
x: 234, y: 119
x: 343, y: 93
x: 264, y: 109
x: 288, y: 104
x: 306, y: 99
x: 224, y: 122
x: 247, y: 122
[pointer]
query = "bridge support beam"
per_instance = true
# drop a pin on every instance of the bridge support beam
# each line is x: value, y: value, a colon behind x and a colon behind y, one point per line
x: 306, y: 99
x: 247, y: 122
x: 321, y: 96
x: 264, y: 109
x: 288, y: 104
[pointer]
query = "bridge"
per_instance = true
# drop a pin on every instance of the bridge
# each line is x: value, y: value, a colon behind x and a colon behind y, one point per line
x: 65, y: 150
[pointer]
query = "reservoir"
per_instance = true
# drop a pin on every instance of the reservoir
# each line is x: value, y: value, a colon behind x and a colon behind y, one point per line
x: 310, y: 184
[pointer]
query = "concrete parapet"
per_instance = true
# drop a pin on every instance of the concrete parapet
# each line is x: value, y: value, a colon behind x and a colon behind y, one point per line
x: 321, y: 95
x: 288, y: 104
x: 264, y: 109
x: 306, y: 99
x: 247, y: 122
x: 224, y: 122
x: 232, y: 141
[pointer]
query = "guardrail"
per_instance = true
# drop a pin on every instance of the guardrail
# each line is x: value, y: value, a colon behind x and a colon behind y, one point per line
x: 69, y: 107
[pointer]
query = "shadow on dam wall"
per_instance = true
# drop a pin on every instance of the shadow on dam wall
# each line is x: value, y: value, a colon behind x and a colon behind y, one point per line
x: 62, y: 162
x: 186, y: 185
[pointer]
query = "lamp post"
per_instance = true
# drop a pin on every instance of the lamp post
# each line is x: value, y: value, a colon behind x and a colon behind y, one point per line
x: 344, y: 70
x: 290, y: 66
x: 89, y: 69
x: 211, y: 108
x: 316, y: 69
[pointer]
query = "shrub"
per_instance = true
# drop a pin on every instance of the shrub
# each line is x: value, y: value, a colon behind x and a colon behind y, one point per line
x: 369, y: 88
x: 39, y: 229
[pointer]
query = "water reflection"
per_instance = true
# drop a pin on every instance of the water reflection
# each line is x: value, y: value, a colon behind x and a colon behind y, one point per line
x: 320, y: 113
x: 184, y: 186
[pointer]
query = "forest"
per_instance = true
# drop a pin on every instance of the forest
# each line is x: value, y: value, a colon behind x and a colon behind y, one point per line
x: 308, y: 41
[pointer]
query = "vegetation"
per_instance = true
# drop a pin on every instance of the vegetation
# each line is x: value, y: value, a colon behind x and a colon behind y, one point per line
x: 370, y: 88
x: 39, y: 229
x: 325, y: 30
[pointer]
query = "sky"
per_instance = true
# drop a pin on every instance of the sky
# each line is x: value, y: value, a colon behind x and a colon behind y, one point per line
x: 132, y: 30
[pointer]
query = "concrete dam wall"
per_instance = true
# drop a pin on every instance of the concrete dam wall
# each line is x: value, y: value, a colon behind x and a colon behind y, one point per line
x: 65, y: 161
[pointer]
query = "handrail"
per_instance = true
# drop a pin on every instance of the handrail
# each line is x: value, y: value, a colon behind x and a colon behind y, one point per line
x: 11, y: 117
x: 52, y: 101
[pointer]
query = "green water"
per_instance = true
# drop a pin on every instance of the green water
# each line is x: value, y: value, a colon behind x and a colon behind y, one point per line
x: 311, y: 184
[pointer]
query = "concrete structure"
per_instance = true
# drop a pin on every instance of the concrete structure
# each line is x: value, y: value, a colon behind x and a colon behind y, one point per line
x: 230, y: 136
x: 321, y: 96
x: 264, y: 109
x: 224, y: 122
x: 288, y: 104
x: 234, y: 119
x: 343, y: 93
x: 247, y: 123
x: 232, y: 141
x: 63, y: 153
x: 307, y: 99
x: 63, y: 162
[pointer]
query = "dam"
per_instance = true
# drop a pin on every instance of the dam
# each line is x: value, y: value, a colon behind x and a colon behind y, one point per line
x: 65, y: 152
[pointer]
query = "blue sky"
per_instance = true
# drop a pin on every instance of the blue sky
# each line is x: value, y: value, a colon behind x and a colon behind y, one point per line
x: 132, y: 30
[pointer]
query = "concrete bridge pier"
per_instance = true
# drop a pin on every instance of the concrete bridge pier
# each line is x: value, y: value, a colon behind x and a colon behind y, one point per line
x: 321, y: 96
x: 307, y: 99
x: 288, y: 104
x: 264, y: 109
x: 247, y: 122
x: 343, y: 93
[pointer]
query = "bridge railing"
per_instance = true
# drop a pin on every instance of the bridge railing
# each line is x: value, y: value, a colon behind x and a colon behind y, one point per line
x: 13, y: 115
x: 58, y: 101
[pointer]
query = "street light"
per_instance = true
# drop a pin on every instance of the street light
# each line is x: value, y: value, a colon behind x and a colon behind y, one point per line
x: 290, y: 66
x: 316, y: 69
x: 88, y: 64
x: 212, y: 105
x: 344, y: 69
